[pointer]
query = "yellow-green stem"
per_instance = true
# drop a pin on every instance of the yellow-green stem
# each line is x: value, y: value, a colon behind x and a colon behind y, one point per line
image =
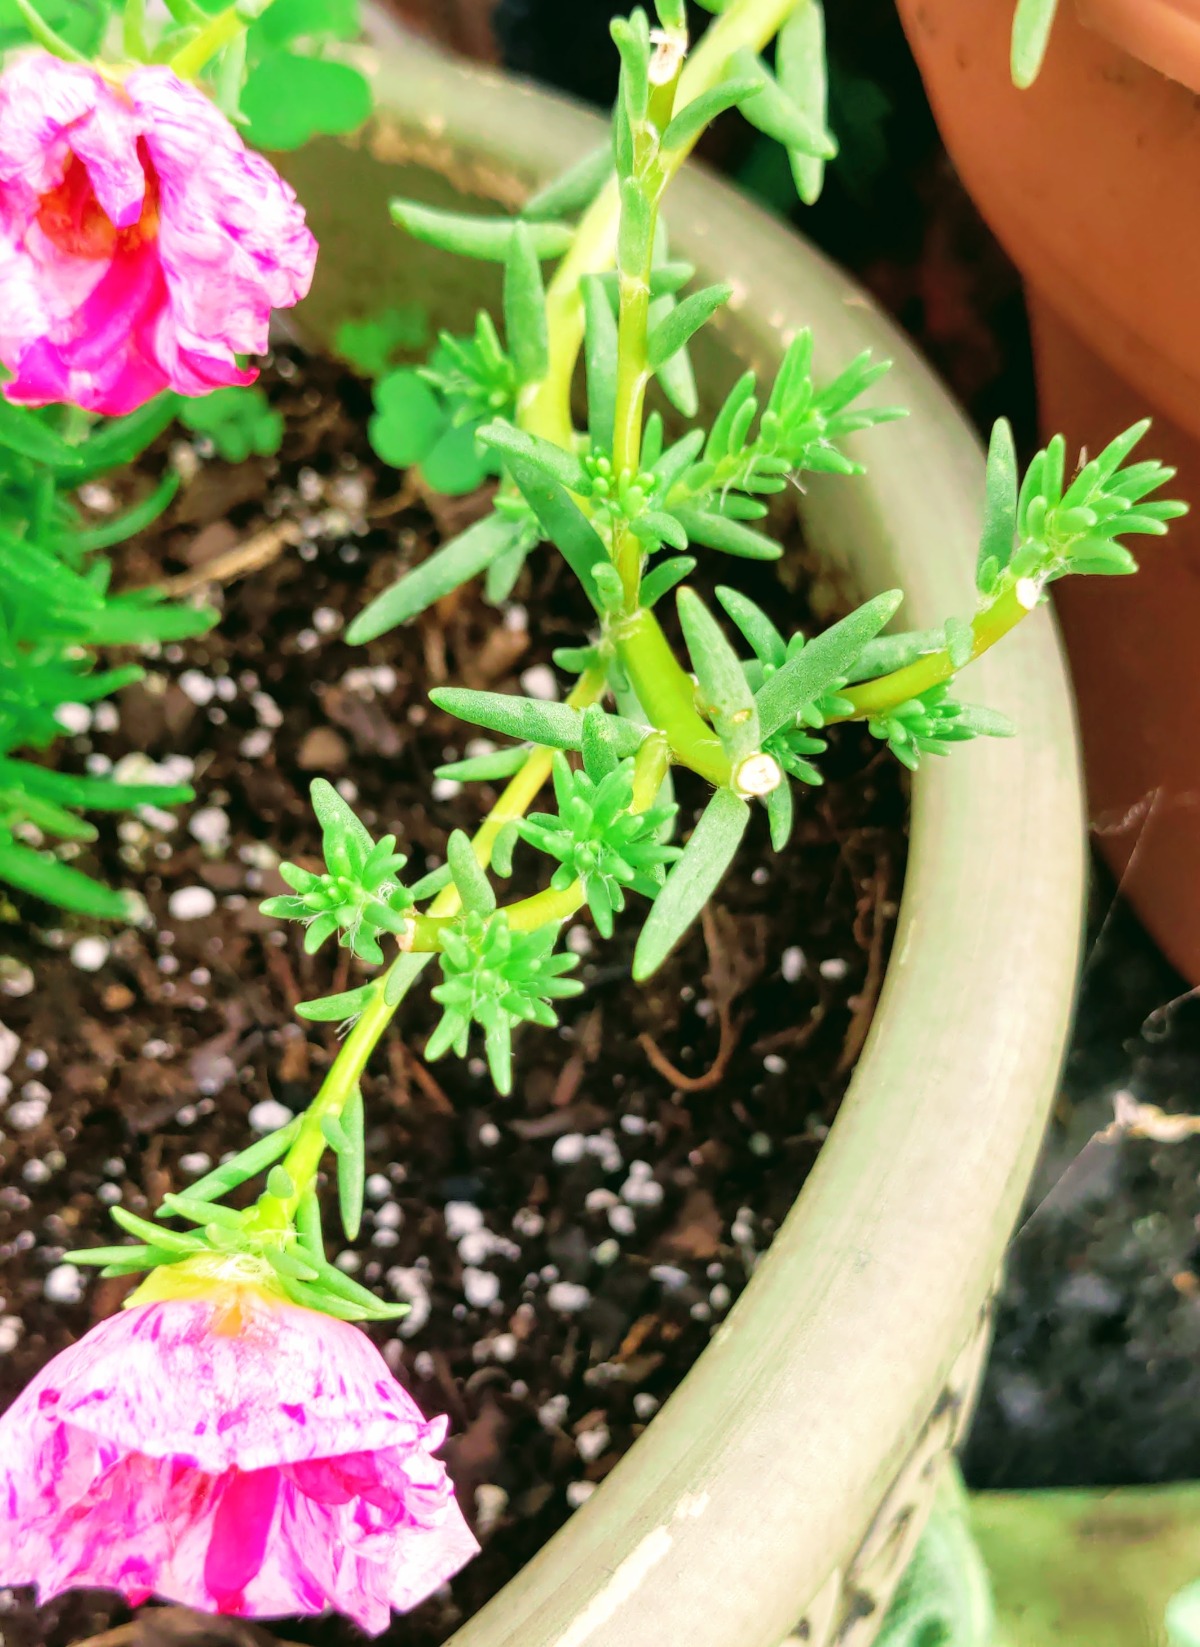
x: 303, y: 1160
x: 750, y: 23
x: 222, y: 31
x: 667, y: 695
x: 559, y: 904
x: 876, y: 697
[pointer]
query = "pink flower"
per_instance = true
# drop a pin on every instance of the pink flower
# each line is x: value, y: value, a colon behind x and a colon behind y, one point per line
x: 233, y: 1452
x: 142, y: 246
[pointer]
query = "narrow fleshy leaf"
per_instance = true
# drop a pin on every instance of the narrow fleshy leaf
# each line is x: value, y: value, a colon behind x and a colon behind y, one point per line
x: 1000, y: 503
x: 474, y: 888
x: 800, y: 68
x: 454, y: 564
x: 351, y: 1165
x: 573, y: 189
x: 525, y: 307
x: 553, y: 725
x: 826, y: 658
x: 331, y: 1009
x: 600, y: 359
x: 692, y: 880
x: 488, y: 238
x: 1032, y: 23
x: 684, y: 320
x: 724, y: 690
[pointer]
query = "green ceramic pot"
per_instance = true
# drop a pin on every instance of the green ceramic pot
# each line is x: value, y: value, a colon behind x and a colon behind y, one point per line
x: 781, y: 1488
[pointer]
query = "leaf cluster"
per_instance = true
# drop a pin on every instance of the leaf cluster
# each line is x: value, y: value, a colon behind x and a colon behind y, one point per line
x: 359, y: 895
x: 293, y: 1256
x: 57, y: 611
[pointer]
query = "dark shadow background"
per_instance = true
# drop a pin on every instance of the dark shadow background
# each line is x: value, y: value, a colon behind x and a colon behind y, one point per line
x: 1093, y: 1374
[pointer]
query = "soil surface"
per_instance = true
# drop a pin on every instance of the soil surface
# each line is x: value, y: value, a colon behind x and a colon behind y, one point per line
x: 567, y: 1252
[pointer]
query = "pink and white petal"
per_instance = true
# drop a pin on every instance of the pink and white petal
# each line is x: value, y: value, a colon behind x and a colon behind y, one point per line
x: 107, y: 144
x: 425, y: 1558
x: 183, y: 128
x: 41, y: 289
x: 41, y: 97
x: 233, y: 238
x: 292, y: 1384
x: 310, y: 1558
x: 94, y: 358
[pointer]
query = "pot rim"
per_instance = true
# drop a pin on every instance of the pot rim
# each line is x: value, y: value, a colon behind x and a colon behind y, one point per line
x: 1163, y: 34
x: 751, y: 1489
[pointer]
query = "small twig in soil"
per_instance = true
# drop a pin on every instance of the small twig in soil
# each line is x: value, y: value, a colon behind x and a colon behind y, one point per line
x: 249, y: 556
x: 417, y: 1068
x: 730, y: 1028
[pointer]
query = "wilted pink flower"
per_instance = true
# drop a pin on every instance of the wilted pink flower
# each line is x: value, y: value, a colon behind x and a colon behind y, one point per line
x: 142, y: 246
x: 233, y: 1452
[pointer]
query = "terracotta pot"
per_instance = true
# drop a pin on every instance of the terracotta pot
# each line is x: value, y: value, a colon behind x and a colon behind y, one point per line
x: 788, y: 1477
x: 1091, y: 179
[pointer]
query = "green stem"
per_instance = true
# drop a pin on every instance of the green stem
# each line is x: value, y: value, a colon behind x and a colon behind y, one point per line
x: 45, y: 35
x: 559, y: 904
x: 752, y: 23
x: 221, y: 31
x: 878, y: 696
x: 133, y: 30
x: 667, y: 695
x: 303, y: 1160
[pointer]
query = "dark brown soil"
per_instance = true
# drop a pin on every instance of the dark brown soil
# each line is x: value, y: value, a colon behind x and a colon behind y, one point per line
x: 567, y: 1251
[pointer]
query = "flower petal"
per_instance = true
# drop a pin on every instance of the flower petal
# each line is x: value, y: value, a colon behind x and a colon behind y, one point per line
x: 288, y: 1384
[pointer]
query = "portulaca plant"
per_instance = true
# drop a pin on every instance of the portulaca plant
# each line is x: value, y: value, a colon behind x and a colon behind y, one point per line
x: 232, y: 1440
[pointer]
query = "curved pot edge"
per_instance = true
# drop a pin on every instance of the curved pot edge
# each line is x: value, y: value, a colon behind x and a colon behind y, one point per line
x: 760, y: 1476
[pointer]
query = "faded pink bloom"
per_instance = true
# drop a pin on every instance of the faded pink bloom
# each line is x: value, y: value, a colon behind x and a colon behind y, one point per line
x: 233, y: 1452
x: 142, y: 245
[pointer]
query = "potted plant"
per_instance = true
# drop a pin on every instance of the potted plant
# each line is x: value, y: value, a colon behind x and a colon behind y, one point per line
x: 1083, y: 171
x: 806, y: 1443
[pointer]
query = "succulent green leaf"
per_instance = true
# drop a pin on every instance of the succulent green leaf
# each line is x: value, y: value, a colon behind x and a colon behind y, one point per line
x: 685, y: 319
x: 1000, y: 505
x: 826, y: 658
x: 244, y: 1166
x: 731, y: 537
x: 525, y: 307
x: 724, y: 690
x: 691, y: 120
x: 469, y: 876
x: 664, y: 577
x: 600, y: 357
x: 454, y: 564
x: 334, y: 1009
x: 775, y: 113
x: 574, y: 189
x: 1032, y: 23
x: 504, y: 763
x: 692, y: 880
x: 530, y: 720
x: 351, y: 1165
x: 58, y: 883
x: 800, y: 69
x: 488, y: 238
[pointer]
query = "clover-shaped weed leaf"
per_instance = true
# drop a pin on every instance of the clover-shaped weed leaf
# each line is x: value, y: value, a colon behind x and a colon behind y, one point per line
x: 497, y: 978
x: 239, y: 422
x: 370, y: 345
x: 408, y: 418
x: 288, y: 99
